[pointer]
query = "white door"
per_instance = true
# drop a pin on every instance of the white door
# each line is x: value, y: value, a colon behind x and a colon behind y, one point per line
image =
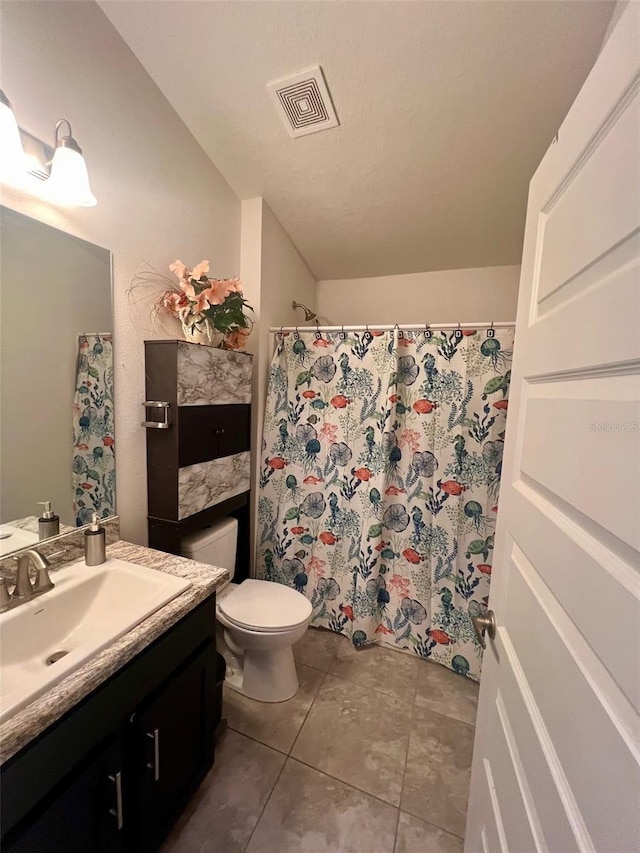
x: 556, y: 764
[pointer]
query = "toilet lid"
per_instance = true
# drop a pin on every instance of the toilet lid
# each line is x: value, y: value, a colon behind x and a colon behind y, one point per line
x: 265, y: 605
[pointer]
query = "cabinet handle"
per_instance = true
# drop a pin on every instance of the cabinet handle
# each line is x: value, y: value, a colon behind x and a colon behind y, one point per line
x: 117, y: 812
x: 155, y: 764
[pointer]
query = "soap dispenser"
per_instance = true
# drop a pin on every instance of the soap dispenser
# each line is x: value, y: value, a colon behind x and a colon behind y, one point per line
x: 94, y: 543
x: 49, y: 522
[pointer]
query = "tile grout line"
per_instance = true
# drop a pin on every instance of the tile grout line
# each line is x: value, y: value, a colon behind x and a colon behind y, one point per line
x: 284, y: 763
x: 406, y: 758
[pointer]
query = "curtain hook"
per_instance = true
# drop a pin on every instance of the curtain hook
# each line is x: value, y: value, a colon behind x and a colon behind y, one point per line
x: 458, y: 332
x: 367, y: 333
x: 491, y: 332
x: 427, y: 331
x: 342, y: 333
x: 296, y: 334
x: 318, y: 332
x: 281, y: 333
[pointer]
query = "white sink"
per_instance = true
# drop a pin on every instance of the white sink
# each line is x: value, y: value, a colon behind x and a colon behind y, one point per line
x: 88, y: 609
x: 13, y: 538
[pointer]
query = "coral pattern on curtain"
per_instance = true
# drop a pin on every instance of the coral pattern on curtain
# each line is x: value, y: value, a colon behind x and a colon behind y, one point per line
x: 94, y: 466
x: 379, y: 488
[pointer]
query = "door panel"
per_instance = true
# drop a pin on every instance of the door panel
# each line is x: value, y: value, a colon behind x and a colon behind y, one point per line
x: 558, y: 734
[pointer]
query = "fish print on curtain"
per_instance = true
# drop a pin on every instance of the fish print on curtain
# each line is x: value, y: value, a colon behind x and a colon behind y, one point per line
x: 379, y: 486
x: 94, y: 466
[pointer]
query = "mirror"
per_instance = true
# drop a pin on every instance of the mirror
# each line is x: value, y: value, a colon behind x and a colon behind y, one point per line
x: 56, y: 380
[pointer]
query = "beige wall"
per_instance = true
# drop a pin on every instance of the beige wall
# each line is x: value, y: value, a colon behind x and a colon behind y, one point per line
x: 159, y: 196
x: 274, y: 275
x: 448, y: 296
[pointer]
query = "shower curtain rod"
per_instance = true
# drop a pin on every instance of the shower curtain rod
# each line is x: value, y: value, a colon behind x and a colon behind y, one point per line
x: 403, y: 327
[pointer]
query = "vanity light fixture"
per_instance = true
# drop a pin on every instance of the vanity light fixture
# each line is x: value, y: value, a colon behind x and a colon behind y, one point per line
x: 58, y: 174
x: 68, y: 182
x: 12, y: 157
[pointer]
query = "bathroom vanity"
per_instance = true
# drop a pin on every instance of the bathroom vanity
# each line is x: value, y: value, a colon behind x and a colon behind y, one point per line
x: 106, y: 759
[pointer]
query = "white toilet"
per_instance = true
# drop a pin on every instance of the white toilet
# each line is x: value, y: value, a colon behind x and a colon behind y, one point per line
x: 259, y: 620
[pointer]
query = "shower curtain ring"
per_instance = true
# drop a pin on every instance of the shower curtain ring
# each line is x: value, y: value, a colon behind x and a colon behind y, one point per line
x: 458, y: 332
x: 367, y: 334
x: 281, y: 333
x: 296, y: 334
x: 427, y: 331
x: 491, y: 332
x: 342, y: 333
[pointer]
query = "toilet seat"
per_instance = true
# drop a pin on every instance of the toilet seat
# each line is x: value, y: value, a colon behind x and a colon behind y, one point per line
x: 257, y: 605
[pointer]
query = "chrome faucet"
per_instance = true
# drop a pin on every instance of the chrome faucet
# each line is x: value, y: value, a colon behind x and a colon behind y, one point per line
x: 23, y: 589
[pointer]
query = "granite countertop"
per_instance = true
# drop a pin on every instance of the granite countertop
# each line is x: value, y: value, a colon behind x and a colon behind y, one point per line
x: 32, y: 720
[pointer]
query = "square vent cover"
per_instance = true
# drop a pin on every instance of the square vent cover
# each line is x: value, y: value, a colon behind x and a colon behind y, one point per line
x: 304, y: 102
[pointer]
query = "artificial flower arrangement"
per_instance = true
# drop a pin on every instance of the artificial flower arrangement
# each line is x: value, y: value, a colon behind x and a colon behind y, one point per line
x: 207, y: 305
x: 210, y: 310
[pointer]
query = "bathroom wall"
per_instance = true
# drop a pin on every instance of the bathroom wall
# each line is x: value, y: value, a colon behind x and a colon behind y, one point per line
x: 274, y: 274
x: 447, y: 296
x: 159, y: 196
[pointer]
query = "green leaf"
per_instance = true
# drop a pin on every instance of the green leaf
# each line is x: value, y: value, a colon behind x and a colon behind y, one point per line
x: 93, y: 372
x: 374, y: 531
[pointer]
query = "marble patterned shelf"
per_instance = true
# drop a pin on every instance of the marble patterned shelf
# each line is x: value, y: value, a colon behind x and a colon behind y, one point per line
x: 19, y: 730
x: 211, y: 376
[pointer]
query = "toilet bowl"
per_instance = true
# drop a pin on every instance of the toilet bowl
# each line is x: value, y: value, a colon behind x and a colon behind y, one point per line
x: 259, y: 621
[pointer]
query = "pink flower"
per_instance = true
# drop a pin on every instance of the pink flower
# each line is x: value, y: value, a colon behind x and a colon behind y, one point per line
x: 218, y: 291
x: 180, y: 269
x: 234, y: 285
x: 200, y: 270
x: 237, y: 339
x: 173, y: 301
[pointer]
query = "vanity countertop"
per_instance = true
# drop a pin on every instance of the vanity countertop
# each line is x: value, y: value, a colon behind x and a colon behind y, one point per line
x: 29, y: 722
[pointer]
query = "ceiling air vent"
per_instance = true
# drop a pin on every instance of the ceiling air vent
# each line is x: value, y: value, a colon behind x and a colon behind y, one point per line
x: 304, y: 102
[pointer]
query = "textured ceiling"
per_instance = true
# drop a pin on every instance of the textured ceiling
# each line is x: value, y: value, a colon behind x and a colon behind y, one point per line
x: 445, y: 110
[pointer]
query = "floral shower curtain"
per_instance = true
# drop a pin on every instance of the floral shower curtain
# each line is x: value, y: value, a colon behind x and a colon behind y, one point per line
x: 94, y: 466
x: 379, y: 490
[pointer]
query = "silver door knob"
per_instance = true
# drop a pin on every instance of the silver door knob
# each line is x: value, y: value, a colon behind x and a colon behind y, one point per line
x: 482, y: 624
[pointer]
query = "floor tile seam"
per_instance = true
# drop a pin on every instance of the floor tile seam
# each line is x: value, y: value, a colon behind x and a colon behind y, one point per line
x: 366, y: 687
x: 448, y: 716
x: 266, y: 803
x: 431, y: 822
x: 313, y: 702
x: 257, y: 740
x: 342, y: 782
x: 406, y: 757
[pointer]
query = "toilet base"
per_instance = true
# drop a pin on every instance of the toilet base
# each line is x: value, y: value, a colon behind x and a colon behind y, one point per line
x: 266, y: 676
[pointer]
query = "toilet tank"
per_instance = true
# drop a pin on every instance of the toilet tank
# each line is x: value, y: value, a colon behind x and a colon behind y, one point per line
x: 215, y: 545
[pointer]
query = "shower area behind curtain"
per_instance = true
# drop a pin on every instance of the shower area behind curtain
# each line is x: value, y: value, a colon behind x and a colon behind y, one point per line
x: 382, y: 455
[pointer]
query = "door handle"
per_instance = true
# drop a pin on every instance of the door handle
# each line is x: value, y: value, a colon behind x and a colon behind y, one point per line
x: 117, y: 812
x: 155, y: 764
x: 484, y: 623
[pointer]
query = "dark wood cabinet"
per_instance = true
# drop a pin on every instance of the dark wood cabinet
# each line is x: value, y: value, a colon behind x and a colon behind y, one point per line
x: 85, y: 815
x: 171, y: 746
x: 212, y: 432
x: 113, y: 775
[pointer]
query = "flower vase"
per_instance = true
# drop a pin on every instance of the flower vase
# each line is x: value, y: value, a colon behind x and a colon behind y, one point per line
x: 203, y: 333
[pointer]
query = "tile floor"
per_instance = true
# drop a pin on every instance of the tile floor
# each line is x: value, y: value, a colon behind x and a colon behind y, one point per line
x: 373, y: 754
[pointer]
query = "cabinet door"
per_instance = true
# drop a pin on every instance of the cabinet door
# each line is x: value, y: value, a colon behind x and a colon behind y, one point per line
x: 172, y: 741
x: 84, y: 815
x: 208, y: 432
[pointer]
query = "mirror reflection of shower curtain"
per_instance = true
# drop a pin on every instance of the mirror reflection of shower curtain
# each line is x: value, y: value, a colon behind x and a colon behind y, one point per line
x: 379, y: 487
x: 94, y: 467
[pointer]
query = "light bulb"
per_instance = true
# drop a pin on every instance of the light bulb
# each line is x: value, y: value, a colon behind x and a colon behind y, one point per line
x: 12, y: 159
x: 68, y: 183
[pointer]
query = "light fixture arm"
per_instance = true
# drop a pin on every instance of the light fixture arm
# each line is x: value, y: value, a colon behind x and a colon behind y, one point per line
x: 65, y: 141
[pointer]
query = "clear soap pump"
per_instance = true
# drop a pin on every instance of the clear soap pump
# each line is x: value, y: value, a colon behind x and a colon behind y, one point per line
x: 94, y: 543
